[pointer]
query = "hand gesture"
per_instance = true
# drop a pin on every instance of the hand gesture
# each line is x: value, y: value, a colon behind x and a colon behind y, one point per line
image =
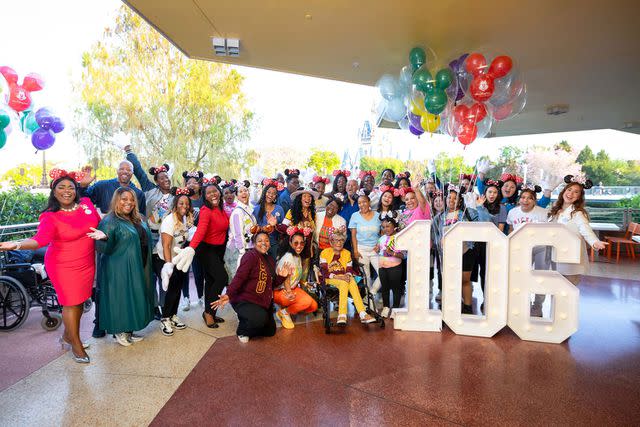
x: 289, y: 295
x: 480, y: 200
x: 286, y: 270
x: 87, y: 178
x: 483, y: 166
x: 96, y: 234
x: 599, y: 245
x: 8, y: 246
x: 272, y: 220
x: 219, y: 303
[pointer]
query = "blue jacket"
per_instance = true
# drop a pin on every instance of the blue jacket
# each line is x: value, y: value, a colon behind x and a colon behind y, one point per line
x: 101, y: 193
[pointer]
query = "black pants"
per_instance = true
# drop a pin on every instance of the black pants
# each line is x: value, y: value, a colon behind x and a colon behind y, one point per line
x: 481, y: 260
x: 254, y: 320
x: 436, y: 259
x: 211, y: 258
x: 172, y: 296
x: 156, y: 268
x: 198, y: 278
x: 391, y: 280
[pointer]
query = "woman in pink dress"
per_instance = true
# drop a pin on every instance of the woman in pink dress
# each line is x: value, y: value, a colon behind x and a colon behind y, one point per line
x: 66, y: 225
x: 416, y: 205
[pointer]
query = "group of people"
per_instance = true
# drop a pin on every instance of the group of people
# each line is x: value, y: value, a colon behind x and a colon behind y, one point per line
x: 267, y: 243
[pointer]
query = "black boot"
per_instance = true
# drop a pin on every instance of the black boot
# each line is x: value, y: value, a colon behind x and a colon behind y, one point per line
x: 467, y: 309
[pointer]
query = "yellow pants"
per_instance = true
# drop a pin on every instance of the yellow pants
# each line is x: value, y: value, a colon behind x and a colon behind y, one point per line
x: 344, y: 290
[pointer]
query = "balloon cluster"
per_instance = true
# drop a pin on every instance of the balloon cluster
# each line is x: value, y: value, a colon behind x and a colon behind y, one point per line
x: 41, y: 125
x: 463, y: 99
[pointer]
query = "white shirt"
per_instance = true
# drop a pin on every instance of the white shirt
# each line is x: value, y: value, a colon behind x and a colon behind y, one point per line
x: 517, y: 218
x: 579, y: 225
x: 179, y: 236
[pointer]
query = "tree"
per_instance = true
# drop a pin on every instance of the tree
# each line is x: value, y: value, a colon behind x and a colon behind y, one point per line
x: 380, y: 164
x: 323, y: 162
x: 586, y: 155
x: 509, y: 160
x: 448, y: 168
x: 563, y: 146
x: 25, y: 174
x: 189, y: 113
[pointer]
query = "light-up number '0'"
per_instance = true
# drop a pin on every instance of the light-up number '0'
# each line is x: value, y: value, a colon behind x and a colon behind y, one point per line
x: 496, y: 278
x: 416, y: 240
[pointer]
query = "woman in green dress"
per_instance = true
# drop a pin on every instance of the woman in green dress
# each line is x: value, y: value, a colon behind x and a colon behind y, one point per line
x: 127, y: 296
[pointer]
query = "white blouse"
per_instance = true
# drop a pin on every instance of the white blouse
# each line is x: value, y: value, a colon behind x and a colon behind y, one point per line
x: 580, y: 226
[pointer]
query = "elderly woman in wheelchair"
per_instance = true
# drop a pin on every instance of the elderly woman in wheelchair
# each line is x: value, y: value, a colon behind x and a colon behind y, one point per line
x: 337, y: 269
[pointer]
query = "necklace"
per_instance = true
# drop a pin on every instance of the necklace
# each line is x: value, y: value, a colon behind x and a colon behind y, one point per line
x: 75, y: 206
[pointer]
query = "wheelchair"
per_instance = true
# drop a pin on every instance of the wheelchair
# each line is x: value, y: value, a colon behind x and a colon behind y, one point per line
x: 22, y: 287
x: 328, y: 294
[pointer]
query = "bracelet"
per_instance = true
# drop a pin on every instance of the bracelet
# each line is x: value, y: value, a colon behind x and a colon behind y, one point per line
x: 18, y: 245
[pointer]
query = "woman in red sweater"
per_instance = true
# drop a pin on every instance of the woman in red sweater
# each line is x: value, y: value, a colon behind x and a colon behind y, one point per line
x: 251, y: 291
x: 208, y: 244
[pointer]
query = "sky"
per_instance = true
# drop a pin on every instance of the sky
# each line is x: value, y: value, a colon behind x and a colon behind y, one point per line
x: 290, y: 109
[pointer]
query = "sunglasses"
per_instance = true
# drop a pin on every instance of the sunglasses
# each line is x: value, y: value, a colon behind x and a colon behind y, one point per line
x: 297, y: 243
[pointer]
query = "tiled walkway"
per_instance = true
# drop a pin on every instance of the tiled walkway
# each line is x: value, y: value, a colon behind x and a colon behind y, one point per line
x: 362, y: 376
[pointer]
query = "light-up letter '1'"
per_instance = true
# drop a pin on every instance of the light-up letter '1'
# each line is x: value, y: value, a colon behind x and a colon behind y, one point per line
x: 496, y: 280
x: 526, y: 281
x: 416, y: 239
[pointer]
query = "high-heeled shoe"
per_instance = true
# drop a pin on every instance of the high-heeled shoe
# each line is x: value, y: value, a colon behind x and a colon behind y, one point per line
x: 67, y: 346
x: 80, y: 359
x: 212, y: 325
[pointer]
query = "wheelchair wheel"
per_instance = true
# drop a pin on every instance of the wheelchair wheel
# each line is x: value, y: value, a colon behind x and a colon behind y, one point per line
x: 52, y: 322
x: 14, y: 303
x: 86, y: 306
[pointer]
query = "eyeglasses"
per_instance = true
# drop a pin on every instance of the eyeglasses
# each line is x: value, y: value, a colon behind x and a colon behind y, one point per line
x: 297, y: 243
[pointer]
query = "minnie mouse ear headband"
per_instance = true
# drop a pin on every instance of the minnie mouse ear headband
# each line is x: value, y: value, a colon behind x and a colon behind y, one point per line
x: 511, y: 177
x: 337, y: 232
x: 464, y: 176
x: 318, y: 178
x: 209, y: 181
x: 268, y: 181
x: 232, y: 185
x: 292, y: 172
x: 344, y: 173
x: 305, y: 231
x: 404, y: 191
x: 453, y: 188
x: 579, y: 179
x: 156, y: 170
x: 362, y: 192
x: 312, y: 193
x: 390, y: 188
x: 436, y: 193
x: 55, y: 174
x: 492, y: 183
x: 255, y: 229
x: 389, y: 216
x: 192, y: 174
x: 404, y: 175
x: 365, y: 173
x: 530, y: 187
x: 177, y: 191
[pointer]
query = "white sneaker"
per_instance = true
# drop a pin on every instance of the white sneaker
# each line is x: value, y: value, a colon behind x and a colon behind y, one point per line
x: 187, y: 304
x: 121, y: 339
x: 243, y: 339
x: 165, y: 327
x: 177, y: 323
x: 385, y: 312
x: 135, y: 337
x: 366, y: 318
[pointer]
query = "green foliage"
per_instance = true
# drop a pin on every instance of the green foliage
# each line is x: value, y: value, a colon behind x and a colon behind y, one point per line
x: 380, y: 164
x: 21, y: 207
x: 25, y: 175
x: 563, y: 145
x: 601, y: 168
x: 633, y: 202
x: 188, y: 112
x: 322, y: 161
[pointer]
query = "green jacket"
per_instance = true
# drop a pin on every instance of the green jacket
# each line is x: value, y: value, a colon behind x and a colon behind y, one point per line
x: 127, y: 295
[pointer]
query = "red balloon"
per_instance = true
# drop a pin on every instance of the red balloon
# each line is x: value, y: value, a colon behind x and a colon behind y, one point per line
x: 482, y: 88
x: 467, y: 133
x: 476, y: 63
x: 19, y: 98
x: 460, y: 113
x: 33, y: 82
x: 500, y: 66
x: 478, y: 112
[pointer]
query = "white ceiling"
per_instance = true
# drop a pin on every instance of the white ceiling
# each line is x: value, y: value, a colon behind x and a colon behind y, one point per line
x: 584, y: 53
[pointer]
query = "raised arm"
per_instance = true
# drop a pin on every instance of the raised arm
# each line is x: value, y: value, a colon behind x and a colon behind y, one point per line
x: 138, y: 171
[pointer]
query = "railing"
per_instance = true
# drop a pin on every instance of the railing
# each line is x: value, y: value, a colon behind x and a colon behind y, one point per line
x: 16, y: 231
x: 611, y: 190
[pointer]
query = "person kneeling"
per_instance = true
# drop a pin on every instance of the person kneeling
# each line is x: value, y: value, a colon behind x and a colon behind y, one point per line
x: 290, y: 296
x: 337, y: 269
x: 251, y: 291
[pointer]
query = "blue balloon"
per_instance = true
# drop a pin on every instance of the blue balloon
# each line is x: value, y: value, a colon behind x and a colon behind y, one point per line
x: 43, y: 139
x: 44, y: 118
x: 57, y: 125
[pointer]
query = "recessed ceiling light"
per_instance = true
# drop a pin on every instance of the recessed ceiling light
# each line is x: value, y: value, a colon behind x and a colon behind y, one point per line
x: 308, y: 17
x: 557, y: 109
x: 355, y: 64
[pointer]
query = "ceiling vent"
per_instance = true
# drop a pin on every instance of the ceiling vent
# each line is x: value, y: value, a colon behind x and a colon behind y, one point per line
x: 226, y: 47
x: 557, y: 109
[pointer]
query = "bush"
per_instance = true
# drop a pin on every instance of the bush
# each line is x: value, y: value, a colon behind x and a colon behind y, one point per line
x: 20, y: 206
x: 633, y: 202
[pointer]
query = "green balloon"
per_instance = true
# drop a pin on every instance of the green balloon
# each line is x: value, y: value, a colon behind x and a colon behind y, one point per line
x: 4, y: 120
x: 3, y: 138
x: 436, y: 101
x: 23, y: 117
x: 30, y: 123
x: 417, y: 57
x: 444, y: 78
x: 423, y: 80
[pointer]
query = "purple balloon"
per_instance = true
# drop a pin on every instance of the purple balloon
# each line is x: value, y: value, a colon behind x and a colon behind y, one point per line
x: 414, y: 119
x: 415, y: 131
x: 57, y: 125
x: 43, y: 139
x: 44, y: 118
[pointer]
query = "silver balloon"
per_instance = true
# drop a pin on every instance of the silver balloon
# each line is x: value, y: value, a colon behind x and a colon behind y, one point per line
x: 395, y: 110
x: 406, y: 74
x: 388, y: 86
x: 404, y: 124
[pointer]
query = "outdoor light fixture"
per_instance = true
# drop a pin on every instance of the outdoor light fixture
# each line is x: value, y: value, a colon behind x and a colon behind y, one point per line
x: 557, y: 109
x: 226, y: 47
